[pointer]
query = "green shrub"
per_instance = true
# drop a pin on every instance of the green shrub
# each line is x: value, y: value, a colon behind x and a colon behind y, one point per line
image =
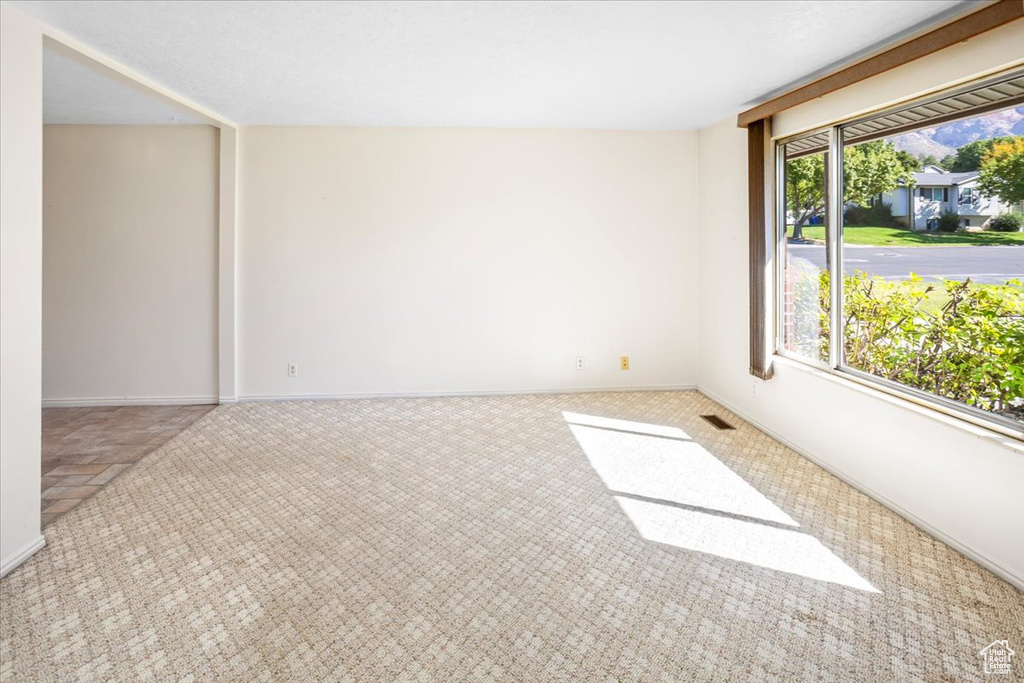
x: 1007, y: 222
x: 879, y: 214
x: 971, y: 351
x: 949, y: 222
x: 854, y: 215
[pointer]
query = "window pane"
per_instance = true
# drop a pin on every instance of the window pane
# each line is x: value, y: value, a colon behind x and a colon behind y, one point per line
x: 932, y: 294
x: 803, y: 288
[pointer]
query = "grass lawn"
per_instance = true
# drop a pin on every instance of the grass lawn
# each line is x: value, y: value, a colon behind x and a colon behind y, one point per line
x: 937, y: 298
x: 901, y: 237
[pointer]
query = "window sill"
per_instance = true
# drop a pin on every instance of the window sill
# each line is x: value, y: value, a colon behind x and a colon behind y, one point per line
x: 992, y: 436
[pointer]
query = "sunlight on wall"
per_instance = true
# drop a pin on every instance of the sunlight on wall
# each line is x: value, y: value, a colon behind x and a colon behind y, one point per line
x: 677, y: 493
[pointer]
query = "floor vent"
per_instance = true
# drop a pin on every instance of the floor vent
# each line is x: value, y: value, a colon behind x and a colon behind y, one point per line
x: 718, y: 422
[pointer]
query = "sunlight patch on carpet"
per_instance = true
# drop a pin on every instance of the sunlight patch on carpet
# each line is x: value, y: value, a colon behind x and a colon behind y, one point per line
x: 677, y: 493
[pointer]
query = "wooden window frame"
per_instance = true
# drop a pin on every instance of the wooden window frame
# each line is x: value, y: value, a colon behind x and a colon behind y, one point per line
x: 761, y: 170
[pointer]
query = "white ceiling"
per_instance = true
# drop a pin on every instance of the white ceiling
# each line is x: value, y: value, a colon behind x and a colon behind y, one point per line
x: 76, y: 93
x: 632, y: 65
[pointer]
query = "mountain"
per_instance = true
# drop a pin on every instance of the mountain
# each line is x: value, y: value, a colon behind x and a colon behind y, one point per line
x: 922, y: 142
x: 945, y: 139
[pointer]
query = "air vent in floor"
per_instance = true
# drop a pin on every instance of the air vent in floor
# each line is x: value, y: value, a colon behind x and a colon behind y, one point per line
x: 718, y: 422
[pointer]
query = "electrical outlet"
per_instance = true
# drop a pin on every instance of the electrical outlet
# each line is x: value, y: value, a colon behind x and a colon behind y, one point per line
x: 580, y: 363
x: 624, y: 363
x: 293, y: 369
x: 755, y: 388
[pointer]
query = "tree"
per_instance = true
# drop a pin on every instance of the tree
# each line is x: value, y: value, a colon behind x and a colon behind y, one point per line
x: 805, y: 189
x: 909, y: 161
x: 1002, y: 170
x: 875, y: 167
x: 932, y: 160
x: 869, y: 169
x: 968, y: 157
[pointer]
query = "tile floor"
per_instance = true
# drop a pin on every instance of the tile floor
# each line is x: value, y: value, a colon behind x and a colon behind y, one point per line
x: 85, y: 448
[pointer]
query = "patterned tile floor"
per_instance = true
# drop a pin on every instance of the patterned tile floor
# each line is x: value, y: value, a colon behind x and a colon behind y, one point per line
x: 85, y: 448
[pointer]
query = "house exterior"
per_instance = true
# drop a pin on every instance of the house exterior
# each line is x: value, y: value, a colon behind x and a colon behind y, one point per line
x: 936, y: 191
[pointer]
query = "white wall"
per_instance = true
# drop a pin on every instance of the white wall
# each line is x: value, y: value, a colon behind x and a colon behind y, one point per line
x: 967, y: 489
x: 129, y: 264
x: 21, y: 132
x: 465, y: 260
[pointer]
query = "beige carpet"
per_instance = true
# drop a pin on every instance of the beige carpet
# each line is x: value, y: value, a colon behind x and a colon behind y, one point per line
x: 493, y: 539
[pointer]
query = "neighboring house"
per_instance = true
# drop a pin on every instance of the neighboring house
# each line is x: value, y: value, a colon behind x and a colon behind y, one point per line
x: 936, y: 191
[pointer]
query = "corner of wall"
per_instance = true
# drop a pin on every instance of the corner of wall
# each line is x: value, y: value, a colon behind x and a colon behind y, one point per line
x: 21, y: 134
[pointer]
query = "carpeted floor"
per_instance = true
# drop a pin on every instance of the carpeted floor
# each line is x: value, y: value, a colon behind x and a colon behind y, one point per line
x: 596, y: 537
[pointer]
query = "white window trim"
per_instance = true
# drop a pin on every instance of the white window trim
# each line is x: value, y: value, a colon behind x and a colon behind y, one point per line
x: 895, y: 398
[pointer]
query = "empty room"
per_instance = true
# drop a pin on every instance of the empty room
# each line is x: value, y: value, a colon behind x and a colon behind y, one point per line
x: 512, y: 341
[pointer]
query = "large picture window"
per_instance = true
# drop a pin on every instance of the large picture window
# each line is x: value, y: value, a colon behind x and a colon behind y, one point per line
x: 900, y: 251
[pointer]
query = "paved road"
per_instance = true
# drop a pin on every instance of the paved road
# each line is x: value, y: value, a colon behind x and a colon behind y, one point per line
x: 986, y: 265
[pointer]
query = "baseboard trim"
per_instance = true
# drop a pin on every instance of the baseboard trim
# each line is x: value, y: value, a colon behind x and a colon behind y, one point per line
x: 22, y: 555
x: 453, y: 394
x: 130, y: 401
x: 988, y: 563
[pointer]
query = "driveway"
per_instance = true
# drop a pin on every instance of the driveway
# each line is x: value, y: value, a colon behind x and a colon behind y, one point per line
x: 984, y: 265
